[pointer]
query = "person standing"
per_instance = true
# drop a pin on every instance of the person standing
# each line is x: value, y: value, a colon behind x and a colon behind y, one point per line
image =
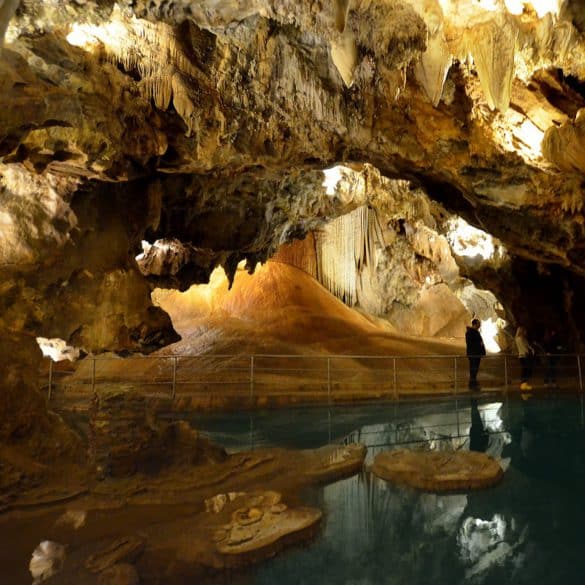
x: 475, y: 351
x: 525, y: 354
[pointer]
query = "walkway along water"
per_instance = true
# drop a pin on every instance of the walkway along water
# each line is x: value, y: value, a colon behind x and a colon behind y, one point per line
x: 263, y: 380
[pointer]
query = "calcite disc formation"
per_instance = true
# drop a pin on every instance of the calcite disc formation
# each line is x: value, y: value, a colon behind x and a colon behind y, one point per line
x: 438, y: 471
x: 260, y: 527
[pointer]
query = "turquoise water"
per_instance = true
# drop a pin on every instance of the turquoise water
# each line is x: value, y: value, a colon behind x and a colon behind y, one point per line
x: 528, y: 529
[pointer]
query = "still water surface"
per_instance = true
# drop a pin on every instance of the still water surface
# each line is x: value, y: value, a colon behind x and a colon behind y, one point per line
x: 529, y: 529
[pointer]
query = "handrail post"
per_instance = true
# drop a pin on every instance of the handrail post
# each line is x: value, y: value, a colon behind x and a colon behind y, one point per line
x: 580, y: 373
x: 50, y: 391
x: 455, y: 373
x: 394, y: 376
x: 251, y: 379
x: 174, y: 391
x: 329, y: 380
x: 93, y: 376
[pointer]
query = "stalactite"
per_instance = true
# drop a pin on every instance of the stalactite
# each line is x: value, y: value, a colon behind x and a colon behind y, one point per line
x: 159, y: 60
x: 431, y: 71
x: 344, y: 55
x: 341, y: 10
x: 563, y: 39
x: 492, y: 45
x: 159, y: 89
x: 7, y: 9
x: 300, y: 253
x: 182, y: 102
x: 346, y: 248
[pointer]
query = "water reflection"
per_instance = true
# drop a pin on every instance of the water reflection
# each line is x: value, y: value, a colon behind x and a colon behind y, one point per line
x: 526, y: 530
x: 479, y: 437
x: 474, y: 426
x: 485, y: 545
x: 375, y: 534
x: 47, y: 560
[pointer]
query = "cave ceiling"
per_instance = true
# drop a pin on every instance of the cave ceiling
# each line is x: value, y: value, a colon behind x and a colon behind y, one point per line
x: 208, y: 124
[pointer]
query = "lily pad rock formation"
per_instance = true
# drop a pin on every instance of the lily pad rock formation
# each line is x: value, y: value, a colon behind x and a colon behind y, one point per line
x: 260, y: 527
x: 438, y: 471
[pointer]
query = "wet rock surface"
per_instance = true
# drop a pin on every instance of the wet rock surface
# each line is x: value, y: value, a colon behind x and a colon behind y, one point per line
x: 438, y: 471
x: 188, y: 520
x: 261, y: 523
x: 120, y: 574
x: 123, y: 550
x: 126, y: 438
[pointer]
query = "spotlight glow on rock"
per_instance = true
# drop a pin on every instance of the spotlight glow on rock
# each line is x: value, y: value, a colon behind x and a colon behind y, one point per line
x: 468, y: 241
x: 332, y: 178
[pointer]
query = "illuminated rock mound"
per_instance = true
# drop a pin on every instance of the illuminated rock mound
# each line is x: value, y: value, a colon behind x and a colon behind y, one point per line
x: 280, y: 307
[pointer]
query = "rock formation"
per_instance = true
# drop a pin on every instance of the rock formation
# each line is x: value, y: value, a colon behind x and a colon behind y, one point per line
x: 436, y: 471
x: 207, y: 127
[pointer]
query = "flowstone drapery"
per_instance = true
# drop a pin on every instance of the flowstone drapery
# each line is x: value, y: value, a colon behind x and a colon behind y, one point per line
x: 346, y: 248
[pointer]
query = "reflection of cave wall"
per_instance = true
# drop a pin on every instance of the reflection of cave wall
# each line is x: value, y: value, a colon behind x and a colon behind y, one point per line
x: 527, y: 529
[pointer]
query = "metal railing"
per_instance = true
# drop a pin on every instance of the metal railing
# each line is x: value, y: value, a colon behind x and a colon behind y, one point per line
x: 392, y: 424
x: 261, y: 378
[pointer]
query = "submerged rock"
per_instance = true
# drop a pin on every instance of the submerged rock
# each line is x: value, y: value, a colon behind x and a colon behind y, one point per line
x: 121, y: 550
x: 438, y: 471
x: 335, y: 461
x: 126, y: 438
x: 121, y: 574
x: 74, y: 518
x: 47, y: 560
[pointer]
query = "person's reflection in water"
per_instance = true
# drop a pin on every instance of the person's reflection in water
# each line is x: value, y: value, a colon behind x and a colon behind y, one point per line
x: 478, y: 436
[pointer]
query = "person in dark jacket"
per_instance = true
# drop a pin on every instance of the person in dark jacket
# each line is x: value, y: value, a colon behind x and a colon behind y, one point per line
x: 475, y: 351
